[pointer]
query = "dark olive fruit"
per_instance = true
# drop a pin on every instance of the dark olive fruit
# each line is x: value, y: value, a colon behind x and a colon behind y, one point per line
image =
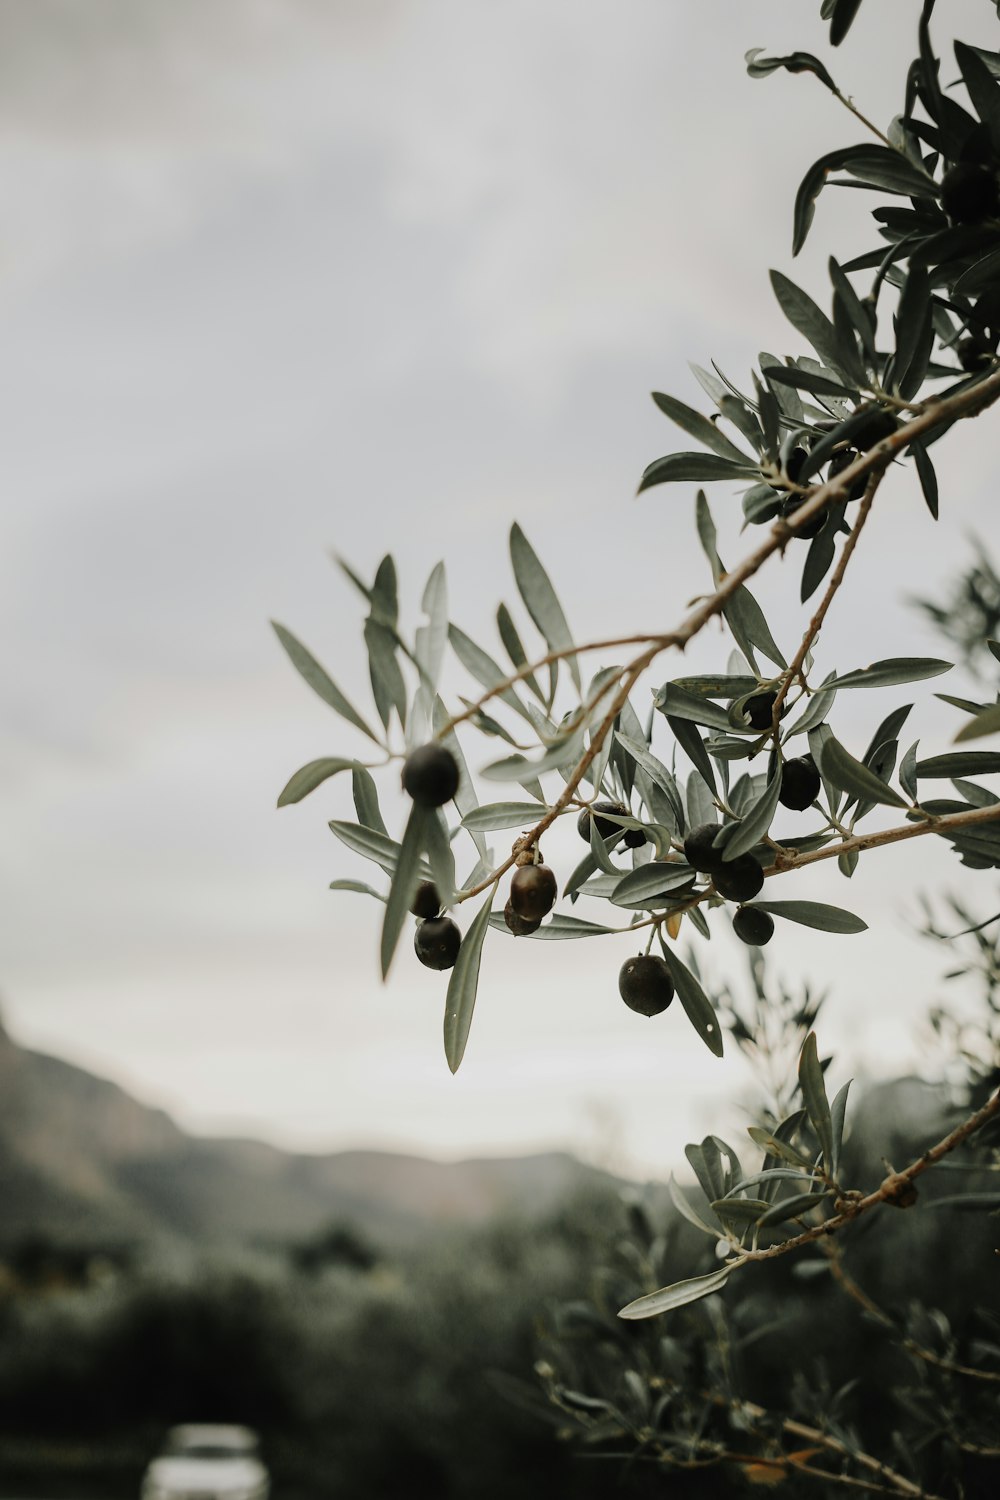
x: 634, y: 838
x: 974, y: 354
x: 759, y: 708
x: 426, y: 901
x: 605, y: 829
x: 794, y: 462
x: 436, y: 943
x: 533, y: 892
x: 878, y: 424
x: 699, y: 851
x: 969, y: 193
x: 740, y: 879
x: 753, y: 927
x: 800, y: 783
x: 645, y: 985
x: 430, y: 775
x: 809, y: 528
x: 841, y: 461
x: 519, y: 926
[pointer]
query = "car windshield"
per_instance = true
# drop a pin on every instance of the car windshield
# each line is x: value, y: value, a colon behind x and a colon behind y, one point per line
x: 211, y: 1443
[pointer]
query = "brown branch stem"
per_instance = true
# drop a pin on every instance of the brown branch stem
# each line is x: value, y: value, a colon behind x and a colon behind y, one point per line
x: 887, y: 1190
x: 794, y: 669
x: 963, y: 403
x: 858, y: 1294
x: 794, y: 1428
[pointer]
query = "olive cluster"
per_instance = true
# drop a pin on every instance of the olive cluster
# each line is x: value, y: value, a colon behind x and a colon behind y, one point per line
x: 878, y: 424
x: 430, y: 777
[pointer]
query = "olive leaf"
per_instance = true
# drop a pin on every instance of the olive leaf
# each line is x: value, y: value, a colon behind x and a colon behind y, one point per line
x: 540, y: 599
x: 813, y: 914
x: 309, y: 668
x: 814, y: 1096
x: 678, y: 1295
x: 697, y: 1007
x: 310, y: 776
x: 463, y: 986
x: 850, y: 775
x: 404, y: 881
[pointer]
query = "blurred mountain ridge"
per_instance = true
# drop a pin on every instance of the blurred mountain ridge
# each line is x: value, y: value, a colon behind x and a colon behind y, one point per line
x: 80, y: 1158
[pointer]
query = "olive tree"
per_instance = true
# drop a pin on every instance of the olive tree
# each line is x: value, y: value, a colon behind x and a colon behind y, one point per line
x: 675, y: 802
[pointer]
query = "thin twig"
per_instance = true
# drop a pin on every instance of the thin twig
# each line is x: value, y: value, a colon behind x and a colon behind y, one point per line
x: 964, y: 403
x: 543, y: 661
x: 848, y: 1284
x: 822, y: 1439
x: 836, y: 579
x: 850, y: 104
x: 891, y: 1188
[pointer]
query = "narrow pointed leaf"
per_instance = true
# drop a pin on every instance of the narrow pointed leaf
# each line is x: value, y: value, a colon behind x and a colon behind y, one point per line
x: 840, y: 768
x: 755, y: 821
x: 404, y: 882
x: 310, y: 776
x: 893, y: 670
x: 697, y: 1006
x: 695, y: 425
x: 813, y: 914
x: 356, y: 885
x: 496, y: 815
x: 960, y: 763
x: 804, y: 315
x: 463, y: 985
x: 309, y: 668
x: 540, y: 600
x: 366, y: 800
x: 678, y: 1295
x: 560, y: 927
x: 681, y: 468
x: 814, y: 1096
x: 791, y: 1208
x: 987, y: 722
x: 684, y: 1208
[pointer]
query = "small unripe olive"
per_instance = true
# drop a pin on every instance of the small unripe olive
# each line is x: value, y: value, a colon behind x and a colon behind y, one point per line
x: 753, y: 927
x: 740, y: 879
x: 436, y: 943
x: 809, y: 528
x: 645, y: 984
x: 759, y: 708
x: 533, y: 892
x: 430, y: 775
x: 519, y: 926
x: 879, y: 424
x: 974, y: 354
x: 969, y: 193
x: 604, y: 827
x: 841, y: 461
x: 426, y: 901
x: 800, y: 783
x: 698, y: 848
x: 794, y: 462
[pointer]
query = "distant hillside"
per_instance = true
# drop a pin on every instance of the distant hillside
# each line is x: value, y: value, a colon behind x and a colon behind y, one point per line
x: 81, y: 1159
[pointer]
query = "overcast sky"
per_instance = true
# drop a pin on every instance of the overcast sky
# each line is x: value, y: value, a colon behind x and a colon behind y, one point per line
x: 286, y: 277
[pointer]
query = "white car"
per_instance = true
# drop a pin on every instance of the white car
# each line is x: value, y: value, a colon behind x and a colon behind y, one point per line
x: 203, y: 1462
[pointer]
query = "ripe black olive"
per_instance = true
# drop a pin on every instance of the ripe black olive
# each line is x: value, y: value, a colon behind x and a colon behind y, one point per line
x: 426, y: 901
x: 645, y: 984
x: 800, y: 783
x: 699, y: 851
x: 740, y: 879
x: 533, y: 892
x: 430, y: 775
x: 436, y: 943
x: 753, y: 927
